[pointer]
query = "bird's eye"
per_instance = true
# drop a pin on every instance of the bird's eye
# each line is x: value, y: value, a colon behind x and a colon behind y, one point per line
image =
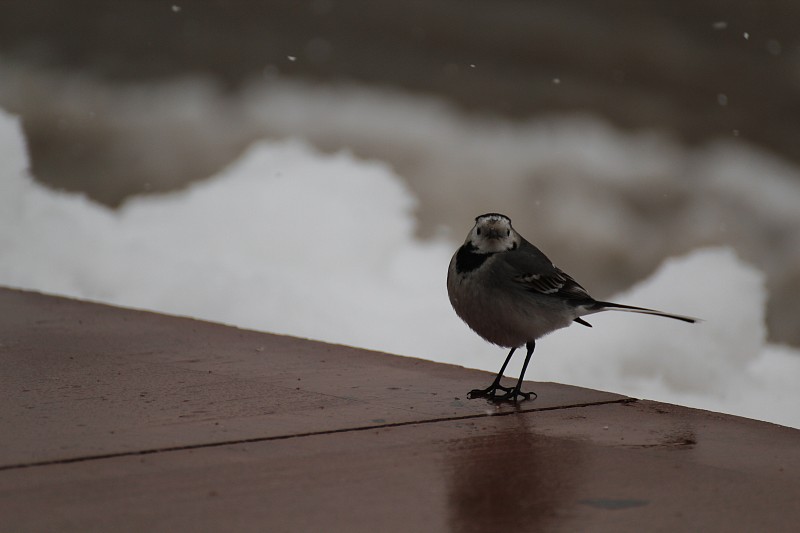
x: 478, y: 231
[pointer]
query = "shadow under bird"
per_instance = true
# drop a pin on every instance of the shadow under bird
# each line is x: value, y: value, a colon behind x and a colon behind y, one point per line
x: 511, y: 294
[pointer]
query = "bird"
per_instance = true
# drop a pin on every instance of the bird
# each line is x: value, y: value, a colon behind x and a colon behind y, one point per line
x: 508, y: 291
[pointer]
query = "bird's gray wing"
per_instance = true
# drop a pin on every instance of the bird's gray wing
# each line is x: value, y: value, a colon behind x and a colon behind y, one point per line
x: 529, y: 268
x: 556, y: 283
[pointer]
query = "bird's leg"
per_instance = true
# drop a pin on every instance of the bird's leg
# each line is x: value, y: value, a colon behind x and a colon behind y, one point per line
x: 491, y: 391
x: 516, y: 393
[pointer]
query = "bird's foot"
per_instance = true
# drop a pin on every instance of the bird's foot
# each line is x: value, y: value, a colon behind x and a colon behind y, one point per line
x: 511, y: 394
x: 514, y: 396
x: 490, y: 393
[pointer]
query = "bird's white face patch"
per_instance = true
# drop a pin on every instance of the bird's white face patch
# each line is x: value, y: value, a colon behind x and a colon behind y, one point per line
x: 493, y: 233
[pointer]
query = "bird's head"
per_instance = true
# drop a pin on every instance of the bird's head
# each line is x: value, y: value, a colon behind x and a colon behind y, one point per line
x: 493, y: 233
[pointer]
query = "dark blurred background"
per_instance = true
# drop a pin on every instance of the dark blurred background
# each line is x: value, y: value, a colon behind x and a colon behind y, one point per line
x: 697, y: 70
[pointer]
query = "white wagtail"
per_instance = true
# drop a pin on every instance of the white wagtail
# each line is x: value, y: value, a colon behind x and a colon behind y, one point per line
x: 511, y: 294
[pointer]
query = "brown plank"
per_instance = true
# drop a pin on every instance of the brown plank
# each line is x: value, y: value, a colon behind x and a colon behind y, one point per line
x: 82, y: 380
x: 613, y: 467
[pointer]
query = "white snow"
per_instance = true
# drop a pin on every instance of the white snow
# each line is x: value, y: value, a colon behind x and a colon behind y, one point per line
x: 284, y: 240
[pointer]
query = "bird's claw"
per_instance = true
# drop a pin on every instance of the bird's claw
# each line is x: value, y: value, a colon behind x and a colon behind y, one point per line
x: 514, y: 396
x: 490, y: 393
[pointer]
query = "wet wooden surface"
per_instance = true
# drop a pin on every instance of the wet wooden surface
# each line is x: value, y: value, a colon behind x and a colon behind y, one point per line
x: 130, y: 421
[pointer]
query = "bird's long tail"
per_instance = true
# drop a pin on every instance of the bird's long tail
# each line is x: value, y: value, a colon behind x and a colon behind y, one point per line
x: 609, y: 306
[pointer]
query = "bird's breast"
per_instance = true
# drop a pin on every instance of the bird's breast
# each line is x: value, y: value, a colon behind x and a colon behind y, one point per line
x: 500, y: 312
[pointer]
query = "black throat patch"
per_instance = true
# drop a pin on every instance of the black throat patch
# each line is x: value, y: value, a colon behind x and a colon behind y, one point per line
x: 468, y: 260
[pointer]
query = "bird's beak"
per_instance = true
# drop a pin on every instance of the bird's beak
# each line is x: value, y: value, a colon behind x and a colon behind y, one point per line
x: 495, y: 233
